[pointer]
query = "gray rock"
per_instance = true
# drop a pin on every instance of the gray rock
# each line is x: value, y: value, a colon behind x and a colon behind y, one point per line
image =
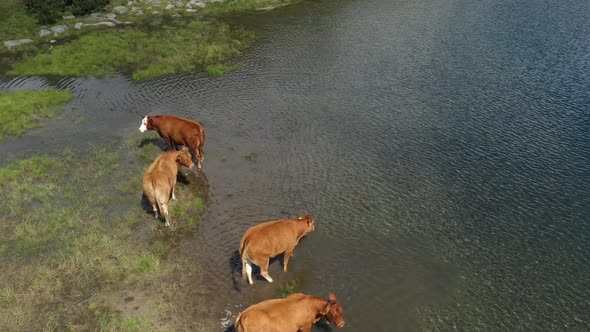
x: 120, y: 10
x: 193, y: 2
x: 134, y: 9
x: 155, y: 12
x: 59, y: 29
x: 130, y: 3
x: 69, y: 17
x: 139, y: 13
x: 179, y: 4
x: 110, y: 15
x: 200, y: 4
x: 53, y: 41
x: 190, y: 10
x: 44, y: 32
x: 108, y: 24
x: 169, y: 7
x: 12, y: 43
x: 78, y: 25
x: 156, y: 3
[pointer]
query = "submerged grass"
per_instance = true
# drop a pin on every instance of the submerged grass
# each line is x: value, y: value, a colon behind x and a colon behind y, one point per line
x: 69, y: 237
x: 22, y: 110
x: 178, y: 47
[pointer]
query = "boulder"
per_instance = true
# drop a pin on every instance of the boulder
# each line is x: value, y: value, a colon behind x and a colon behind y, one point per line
x: 169, y: 7
x: 179, y: 4
x: 200, y: 5
x: 69, y: 17
x: 120, y: 10
x: 58, y: 29
x: 190, y: 10
x: 12, y: 43
x: 44, y: 32
x: 78, y: 25
x: 108, y: 24
x: 110, y: 15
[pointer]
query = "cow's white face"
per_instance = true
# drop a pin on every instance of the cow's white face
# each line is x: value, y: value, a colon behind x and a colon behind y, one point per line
x: 143, y: 126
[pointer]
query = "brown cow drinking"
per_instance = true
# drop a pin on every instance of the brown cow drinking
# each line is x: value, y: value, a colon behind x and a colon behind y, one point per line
x: 177, y: 131
x: 159, y: 180
x: 269, y: 239
x: 295, y: 313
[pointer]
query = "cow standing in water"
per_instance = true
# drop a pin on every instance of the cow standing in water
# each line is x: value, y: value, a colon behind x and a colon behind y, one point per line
x: 295, y: 313
x: 159, y: 181
x: 177, y: 131
x: 269, y: 239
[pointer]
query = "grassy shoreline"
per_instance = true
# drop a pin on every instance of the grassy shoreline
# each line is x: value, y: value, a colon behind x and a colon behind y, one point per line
x: 151, y: 45
x: 71, y: 240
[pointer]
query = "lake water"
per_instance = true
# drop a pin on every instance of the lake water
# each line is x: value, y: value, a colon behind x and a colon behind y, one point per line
x: 442, y: 147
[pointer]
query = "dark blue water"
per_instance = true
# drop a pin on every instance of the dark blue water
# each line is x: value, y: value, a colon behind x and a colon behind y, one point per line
x: 443, y: 148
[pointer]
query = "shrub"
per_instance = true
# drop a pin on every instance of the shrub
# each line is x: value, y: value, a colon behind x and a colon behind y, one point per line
x: 83, y: 7
x: 47, y: 11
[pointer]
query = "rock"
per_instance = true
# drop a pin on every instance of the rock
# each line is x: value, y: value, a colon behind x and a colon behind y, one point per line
x: 69, y: 17
x: 177, y: 15
x: 193, y: 2
x: 78, y: 25
x: 157, y: 3
x: 108, y: 24
x: 110, y: 15
x: 12, y: 43
x: 139, y: 13
x: 179, y: 4
x: 190, y: 10
x: 155, y: 13
x: 120, y: 10
x: 130, y: 3
x: 188, y: 5
x: 53, y: 41
x: 169, y: 7
x: 134, y: 9
x: 200, y: 4
x: 44, y: 32
x: 95, y: 14
x: 58, y: 29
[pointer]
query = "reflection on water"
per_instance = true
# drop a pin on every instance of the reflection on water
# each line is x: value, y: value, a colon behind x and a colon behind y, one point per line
x: 442, y: 149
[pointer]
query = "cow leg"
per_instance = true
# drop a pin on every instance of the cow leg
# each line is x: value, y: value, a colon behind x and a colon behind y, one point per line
x: 170, y: 144
x: 155, y: 210
x: 247, y: 266
x: 164, y: 210
x: 173, y: 187
x: 288, y: 255
x: 264, y: 271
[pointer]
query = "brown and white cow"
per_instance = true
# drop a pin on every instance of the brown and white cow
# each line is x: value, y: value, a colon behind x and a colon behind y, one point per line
x: 269, y: 239
x: 295, y: 313
x: 177, y: 131
x: 159, y: 181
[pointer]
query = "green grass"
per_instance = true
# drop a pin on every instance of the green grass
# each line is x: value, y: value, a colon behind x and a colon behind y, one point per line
x: 69, y: 237
x: 15, y: 22
x: 290, y: 287
x: 220, y: 69
x: 251, y: 156
x: 22, y: 110
x: 239, y: 6
x: 178, y: 47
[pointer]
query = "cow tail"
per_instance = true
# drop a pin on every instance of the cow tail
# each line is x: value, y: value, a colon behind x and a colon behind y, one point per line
x: 243, y: 258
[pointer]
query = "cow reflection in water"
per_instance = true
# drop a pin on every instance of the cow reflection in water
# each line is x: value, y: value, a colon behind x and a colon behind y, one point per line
x: 297, y: 312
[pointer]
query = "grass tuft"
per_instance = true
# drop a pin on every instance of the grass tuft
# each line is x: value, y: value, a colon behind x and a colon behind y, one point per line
x: 21, y: 110
x: 289, y: 288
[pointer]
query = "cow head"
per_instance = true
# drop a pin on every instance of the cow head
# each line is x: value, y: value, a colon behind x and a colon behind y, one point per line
x: 334, y: 311
x: 184, y: 158
x: 310, y: 224
x: 146, y: 124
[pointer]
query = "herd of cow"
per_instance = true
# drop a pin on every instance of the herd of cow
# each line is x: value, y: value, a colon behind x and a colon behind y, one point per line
x: 297, y: 312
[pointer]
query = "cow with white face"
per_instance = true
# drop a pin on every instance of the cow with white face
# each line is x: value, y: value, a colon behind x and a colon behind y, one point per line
x: 177, y: 131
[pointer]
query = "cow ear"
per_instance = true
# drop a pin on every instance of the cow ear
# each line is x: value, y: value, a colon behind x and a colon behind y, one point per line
x: 332, y: 297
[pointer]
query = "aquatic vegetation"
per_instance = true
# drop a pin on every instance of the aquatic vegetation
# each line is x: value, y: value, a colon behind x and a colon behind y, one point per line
x: 220, y: 69
x: 70, y: 238
x: 22, y: 110
x: 237, y: 6
x: 251, y: 156
x: 290, y: 287
x: 143, y: 54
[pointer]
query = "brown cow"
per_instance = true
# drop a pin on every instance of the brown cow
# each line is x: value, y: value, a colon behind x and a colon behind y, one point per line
x: 295, y: 313
x: 269, y: 239
x: 177, y: 131
x: 159, y: 180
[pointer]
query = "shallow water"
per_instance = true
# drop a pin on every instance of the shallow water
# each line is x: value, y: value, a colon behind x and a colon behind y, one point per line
x: 442, y: 148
